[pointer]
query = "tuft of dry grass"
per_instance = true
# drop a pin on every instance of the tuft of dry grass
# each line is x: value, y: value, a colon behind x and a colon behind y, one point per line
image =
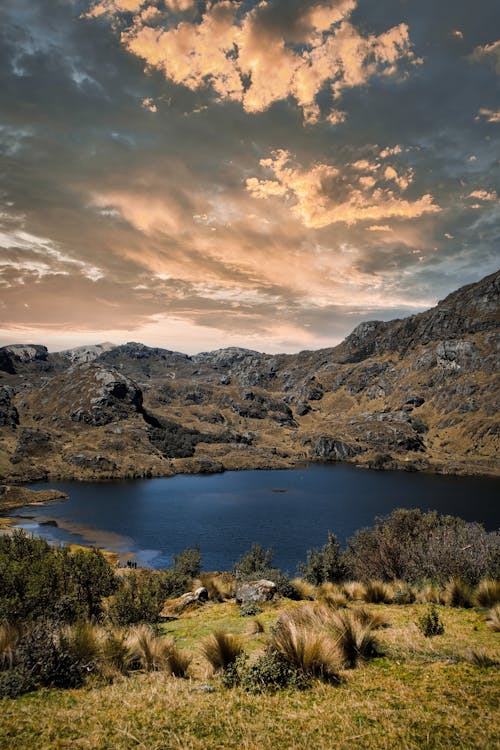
x: 306, y: 649
x: 332, y: 596
x: 493, y: 620
x: 9, y: 636
x: 458, y: 594
x: 354, y: 590
x: 305, y: 589
x: 221, y: 649
x: 374, y: 620
x: 220, y: 586
x: 149, y: 651
x: 255, y: 627
x: 479, y: 658
x: 354, y: 641
x: 487, y: 593
x: 116, y: 655
x: 378, y: 592
x: 177, y: 661
x: 429, y: 593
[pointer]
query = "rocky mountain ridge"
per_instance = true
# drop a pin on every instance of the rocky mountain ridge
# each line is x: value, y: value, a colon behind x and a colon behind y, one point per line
x: 419, y: 393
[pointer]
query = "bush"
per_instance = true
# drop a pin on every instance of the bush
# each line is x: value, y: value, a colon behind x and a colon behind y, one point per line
x: 412, y: 546
x: 253, y: 563
x: 36, y: 578
x: 430, y: 623
x: 250, y: 609
x: 270, y: 672
x: 142, y: 594
x: 323, y: 564
x: 43, y: 658
x: 187, y: 564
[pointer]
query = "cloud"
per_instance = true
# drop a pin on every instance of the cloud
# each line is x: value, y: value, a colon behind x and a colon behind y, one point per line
x: 489, y: 54
x: 484, y: 195
x: 270, y: 53
x: 325, y: 194
x: 490, y: 115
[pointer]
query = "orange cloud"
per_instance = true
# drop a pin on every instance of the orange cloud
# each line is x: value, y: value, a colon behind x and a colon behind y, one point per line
x: 324, y: 195
x: 489, y: 54
x: 243, y: 60
x: 484, y: 195
x: 490, y: 115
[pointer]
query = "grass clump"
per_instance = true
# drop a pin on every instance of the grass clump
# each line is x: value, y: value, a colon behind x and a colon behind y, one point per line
x: 493, y: 620
x: 354, y: 640
x: 458, y: 593
x: 306, y: 649
x: 221, y: 649
x: 430, y: 624
x: 479, y: 658
x: 487, y: 593
x: 377, y: 592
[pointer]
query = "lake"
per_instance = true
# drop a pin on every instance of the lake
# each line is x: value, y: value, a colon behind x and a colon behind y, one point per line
x: 290, y: 510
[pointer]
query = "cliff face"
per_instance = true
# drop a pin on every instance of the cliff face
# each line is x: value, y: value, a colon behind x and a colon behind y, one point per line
x: 419, y: 393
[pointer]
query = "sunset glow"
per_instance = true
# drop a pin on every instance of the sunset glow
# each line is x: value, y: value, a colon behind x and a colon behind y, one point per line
x: 268, y: 174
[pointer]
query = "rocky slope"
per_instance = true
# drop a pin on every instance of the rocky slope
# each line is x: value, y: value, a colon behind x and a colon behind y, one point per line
x: 419, y: 393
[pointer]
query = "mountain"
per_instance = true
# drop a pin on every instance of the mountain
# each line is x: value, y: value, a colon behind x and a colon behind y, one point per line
x: 419, y: 393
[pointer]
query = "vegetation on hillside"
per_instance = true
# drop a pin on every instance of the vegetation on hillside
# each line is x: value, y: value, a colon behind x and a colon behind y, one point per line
x: 69, y: 619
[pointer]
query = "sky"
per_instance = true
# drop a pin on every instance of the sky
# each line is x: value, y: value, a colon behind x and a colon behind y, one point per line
x: 194, y: 175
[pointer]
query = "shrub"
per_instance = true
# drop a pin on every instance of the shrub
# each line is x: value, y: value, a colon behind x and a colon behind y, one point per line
x: 43, y: 658
x: 141, y: 596
x: 323, y: 564
x: 250, y: 609
x: 221, y: 649
x: 305, y: 649
x: 187, y: 564
x: 270, y: 672
x: 430, y: 623
x: 354, y: 640
x: 36, y: 578
x: 377, y: 592
x: 253, y: 563
x: 493, y: 620
x: 412, y: 546
x: 458, y: 594
x: 487, y: 594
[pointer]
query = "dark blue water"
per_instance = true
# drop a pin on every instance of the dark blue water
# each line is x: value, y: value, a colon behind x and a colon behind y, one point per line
x: 290, y: 511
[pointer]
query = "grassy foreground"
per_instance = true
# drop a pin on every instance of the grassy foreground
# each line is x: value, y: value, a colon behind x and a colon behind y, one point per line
x: 422, y: 693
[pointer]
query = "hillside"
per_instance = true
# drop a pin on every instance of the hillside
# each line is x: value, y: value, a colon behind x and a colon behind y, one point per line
x: 419, y: 393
